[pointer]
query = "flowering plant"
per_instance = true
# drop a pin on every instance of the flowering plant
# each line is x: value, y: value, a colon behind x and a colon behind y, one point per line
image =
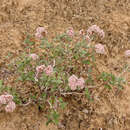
x: 64, y: 66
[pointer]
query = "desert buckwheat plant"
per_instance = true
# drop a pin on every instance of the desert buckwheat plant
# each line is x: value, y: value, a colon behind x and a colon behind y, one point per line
x: 64, y: 66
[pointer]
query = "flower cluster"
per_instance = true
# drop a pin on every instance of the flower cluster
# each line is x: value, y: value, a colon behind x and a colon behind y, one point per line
x: 42, y: 68
x: 33, y: 56
x: 74, y: 82
x: 87, y: 38
x: 95, y: 29
x: 10, y: 107
x: 7, y: 99
x: 48, y: 70
x: 99, y: 48
x: 70, y: 32
x: 81, y: 32
x: 127, y: 53
x: 40, y: 32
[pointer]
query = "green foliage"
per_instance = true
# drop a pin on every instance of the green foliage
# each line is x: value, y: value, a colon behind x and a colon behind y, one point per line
x: 87, y: 94
x: 62, y: 103
x: 53, y: 117
x: 111, y: 80
x: 46, y: 44
x: 28, y: 40
x: 62, y: 37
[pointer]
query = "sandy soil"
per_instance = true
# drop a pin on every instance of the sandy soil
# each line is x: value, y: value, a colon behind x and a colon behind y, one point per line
x: 112, y: 110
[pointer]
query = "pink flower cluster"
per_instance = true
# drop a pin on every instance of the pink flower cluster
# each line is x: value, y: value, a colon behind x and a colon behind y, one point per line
x: 70, y: 32
x: 95, y: 29
x: 99, y: 48
x: 127, y: 53
x: 87, y: 38
x: 40, y: 31
x: 74, y: 82
x: 49, y: 70
x: 81, y: 32
x: 33, y: 56
x: 7, y: 99
x: 39, y: 69
x: 4, y: 99
x: 10, y: 107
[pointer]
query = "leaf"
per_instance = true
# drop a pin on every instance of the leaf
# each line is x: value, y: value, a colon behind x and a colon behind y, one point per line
x: 48, y: 122
x: 62, y: 103
x: 1, y: 83
x: 43, y: 96
x: 87, y: 93
x: 120, y: 86
x: 86, y: 62
x: 104, y: 76
x: 55, y: 117
x: 107, y: 86
x: 113, y: 77
x: 59, y: 81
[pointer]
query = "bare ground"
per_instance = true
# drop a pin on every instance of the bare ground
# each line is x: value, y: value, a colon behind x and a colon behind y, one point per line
x: 111, y: 110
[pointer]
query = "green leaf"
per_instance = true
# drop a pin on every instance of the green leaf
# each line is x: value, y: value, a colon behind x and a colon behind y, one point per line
x: 48, y: 122
x: 28, y: 41
x: 44, y: 95
x: 59, y: 81
x: 113, y: 77
x: 86, y: 62
x: 16, y: 98
x: 104, y: 76
x: 120, y: 86
x: 1, y: 83
x: 62, y: 103
x: 87, y: 93
x: 55, y: 116
x: 107, y: 86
